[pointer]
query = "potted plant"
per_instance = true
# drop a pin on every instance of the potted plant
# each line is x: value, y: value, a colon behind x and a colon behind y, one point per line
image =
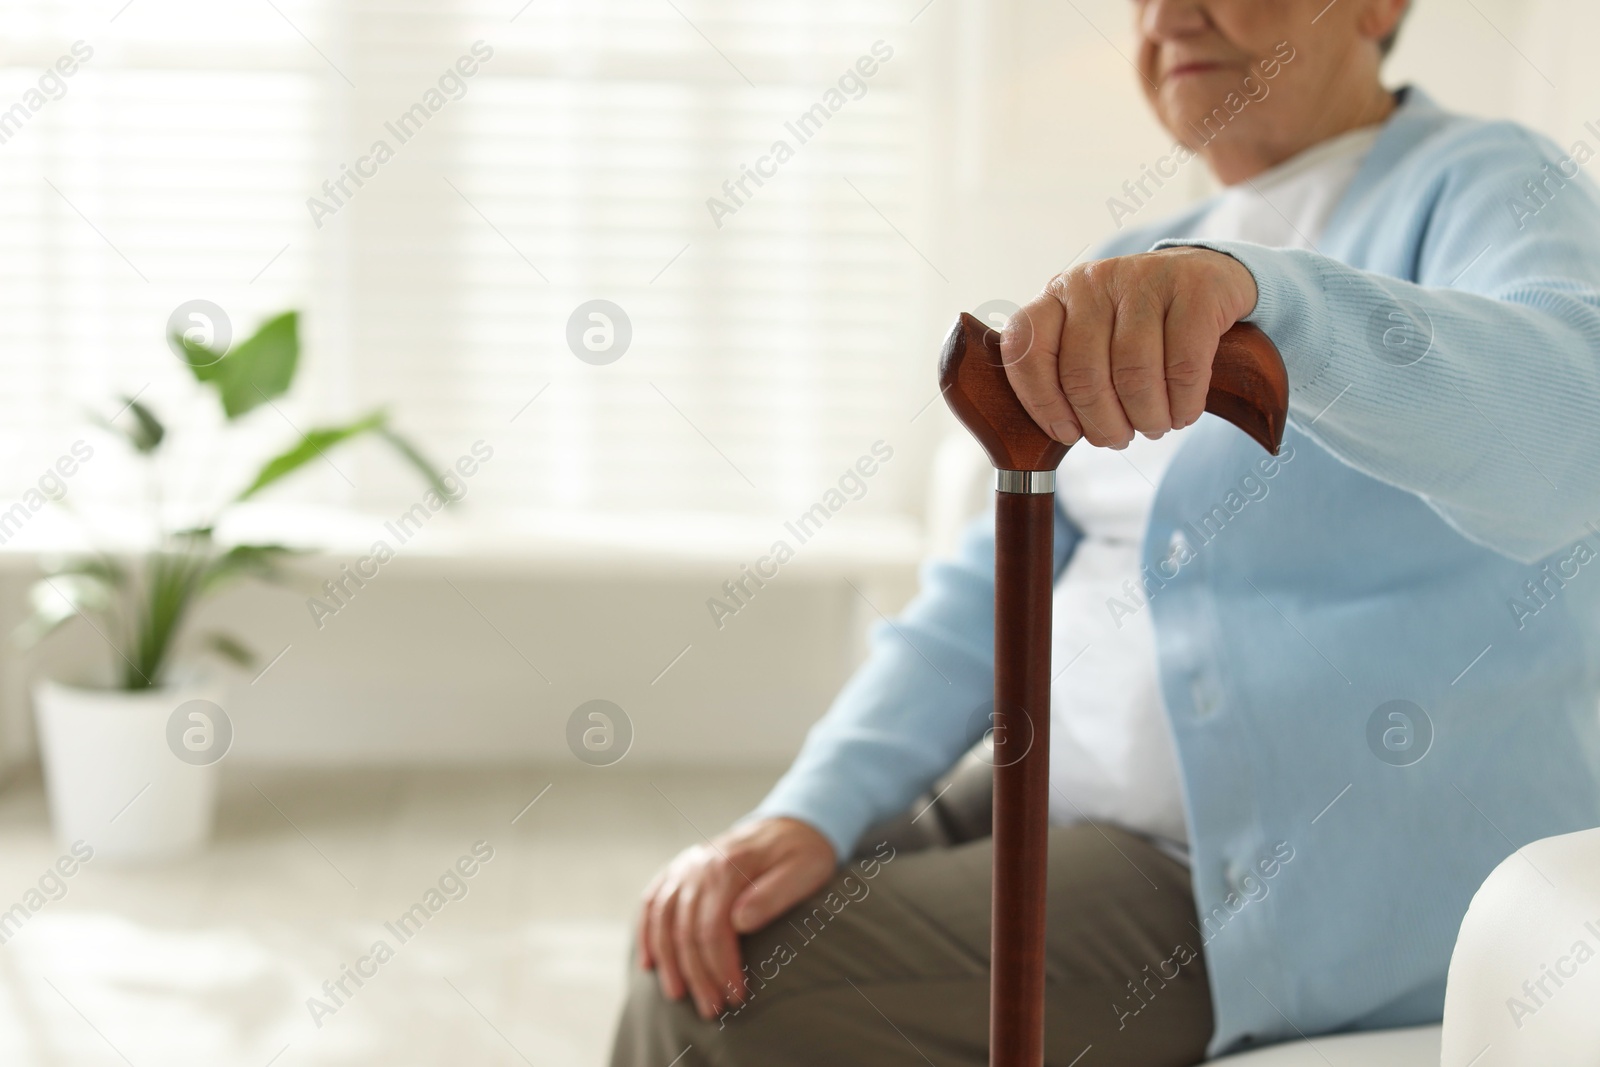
x: 130, y: 763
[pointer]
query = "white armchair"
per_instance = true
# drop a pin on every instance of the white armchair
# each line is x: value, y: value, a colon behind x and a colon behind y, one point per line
x: 1524, y: 986
x: 1416, y: 1047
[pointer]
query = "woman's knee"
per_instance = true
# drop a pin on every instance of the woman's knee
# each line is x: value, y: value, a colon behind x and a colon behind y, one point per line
x: 653, y: 1030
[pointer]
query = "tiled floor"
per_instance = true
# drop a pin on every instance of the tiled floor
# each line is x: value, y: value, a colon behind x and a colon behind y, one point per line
x: 211, y: 961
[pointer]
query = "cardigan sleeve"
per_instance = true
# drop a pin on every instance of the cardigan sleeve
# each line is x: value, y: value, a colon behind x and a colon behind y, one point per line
x: 914, y: 707
x: 1476, y: 385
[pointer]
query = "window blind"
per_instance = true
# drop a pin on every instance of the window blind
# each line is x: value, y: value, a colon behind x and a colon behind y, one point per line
x: 164, y: 171
x: 597, y: 151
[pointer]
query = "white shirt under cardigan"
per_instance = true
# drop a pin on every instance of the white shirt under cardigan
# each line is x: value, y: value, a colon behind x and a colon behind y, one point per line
x: 1111, y: 752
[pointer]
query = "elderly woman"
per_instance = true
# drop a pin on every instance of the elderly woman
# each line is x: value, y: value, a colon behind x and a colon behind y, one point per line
x: 1302, y: 706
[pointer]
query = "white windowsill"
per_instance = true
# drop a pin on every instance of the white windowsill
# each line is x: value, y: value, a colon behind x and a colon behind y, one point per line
x: 526, y: 542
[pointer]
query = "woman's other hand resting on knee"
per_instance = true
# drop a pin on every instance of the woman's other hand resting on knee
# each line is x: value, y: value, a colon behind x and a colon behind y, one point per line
x: 695, y: 909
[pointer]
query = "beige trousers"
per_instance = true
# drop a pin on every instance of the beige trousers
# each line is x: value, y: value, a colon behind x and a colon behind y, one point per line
x: 888, y: 964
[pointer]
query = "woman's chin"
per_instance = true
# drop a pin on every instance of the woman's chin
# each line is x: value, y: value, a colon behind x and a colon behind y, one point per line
x: 1191, y: 106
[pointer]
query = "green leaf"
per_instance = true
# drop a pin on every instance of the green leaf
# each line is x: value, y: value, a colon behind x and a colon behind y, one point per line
x: 413, y: 456
x: 201, y: 360
x: 148, y: 431
x: 245, y: 561
x: 171, y: 582
x: 257, y: 369
x: 229, y: 648
x: 144, y: 431
x: 312, y: 446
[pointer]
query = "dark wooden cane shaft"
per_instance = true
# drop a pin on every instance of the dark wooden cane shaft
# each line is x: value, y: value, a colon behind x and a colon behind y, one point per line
x: 1250, y: 388
x: 1024, y: 561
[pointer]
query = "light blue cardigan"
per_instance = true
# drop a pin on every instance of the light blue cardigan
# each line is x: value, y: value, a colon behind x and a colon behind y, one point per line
x: 1430, y: 537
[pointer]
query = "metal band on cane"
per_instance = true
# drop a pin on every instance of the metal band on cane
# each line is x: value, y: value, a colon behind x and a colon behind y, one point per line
x: 1025, y: 481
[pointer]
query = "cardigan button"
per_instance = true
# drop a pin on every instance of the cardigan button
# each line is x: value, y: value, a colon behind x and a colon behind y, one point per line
x: 1203, y: 695
x: 1178, y: 551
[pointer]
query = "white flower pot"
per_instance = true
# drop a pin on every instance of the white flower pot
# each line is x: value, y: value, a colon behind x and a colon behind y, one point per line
x: 114, y: 780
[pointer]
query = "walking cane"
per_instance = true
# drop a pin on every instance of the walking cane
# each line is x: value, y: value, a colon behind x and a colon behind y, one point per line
x: 1248, y: 388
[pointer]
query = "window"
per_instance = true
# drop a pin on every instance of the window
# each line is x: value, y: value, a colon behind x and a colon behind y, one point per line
x: 575, y: 163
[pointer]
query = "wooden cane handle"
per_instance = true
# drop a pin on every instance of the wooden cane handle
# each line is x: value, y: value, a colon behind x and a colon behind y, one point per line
x: 1249, y: 388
